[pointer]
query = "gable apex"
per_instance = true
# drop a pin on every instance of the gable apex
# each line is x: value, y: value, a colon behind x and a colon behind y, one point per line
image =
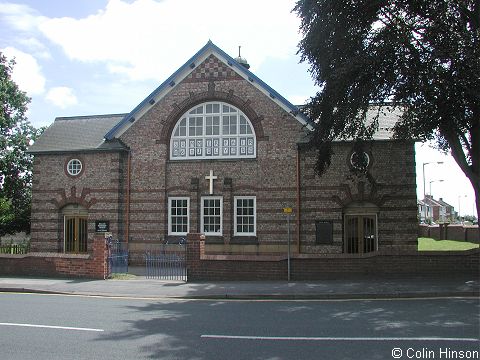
x: 188, y: 67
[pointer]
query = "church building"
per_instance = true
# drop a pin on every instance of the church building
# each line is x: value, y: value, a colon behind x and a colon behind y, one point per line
x: 215, y: 150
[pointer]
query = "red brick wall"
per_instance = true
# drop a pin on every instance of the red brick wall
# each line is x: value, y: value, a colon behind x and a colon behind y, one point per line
x: 99, y: 189
x: 271, y: 177
x: 389, y: 184
x: 92, y: 266
x: 451, y: 232
x: 201, y: 267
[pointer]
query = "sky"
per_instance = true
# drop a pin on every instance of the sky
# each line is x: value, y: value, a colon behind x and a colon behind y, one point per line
x: 88, y: 57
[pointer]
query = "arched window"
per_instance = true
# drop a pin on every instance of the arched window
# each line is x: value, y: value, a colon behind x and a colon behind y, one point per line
x: 213, y: 130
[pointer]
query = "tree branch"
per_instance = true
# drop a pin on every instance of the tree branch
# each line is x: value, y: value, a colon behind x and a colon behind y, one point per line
x: 459, y: 155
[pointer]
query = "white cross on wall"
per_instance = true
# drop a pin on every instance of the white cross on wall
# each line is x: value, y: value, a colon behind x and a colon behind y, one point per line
x: 211, y: 178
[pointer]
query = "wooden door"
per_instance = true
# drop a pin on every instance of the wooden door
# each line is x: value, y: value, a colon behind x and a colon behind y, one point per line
x: 360, y: 234
x: 76, y: 234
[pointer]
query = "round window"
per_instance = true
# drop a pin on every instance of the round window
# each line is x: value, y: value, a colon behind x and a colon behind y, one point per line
x: 74, y: 167
x: 360, y: 160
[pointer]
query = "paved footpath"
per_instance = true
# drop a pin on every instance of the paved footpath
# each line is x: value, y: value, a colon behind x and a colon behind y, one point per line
x: 367, y: 287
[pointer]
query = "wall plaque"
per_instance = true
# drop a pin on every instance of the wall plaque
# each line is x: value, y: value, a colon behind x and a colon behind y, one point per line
x: 323, y: 232
x: 102, y: 226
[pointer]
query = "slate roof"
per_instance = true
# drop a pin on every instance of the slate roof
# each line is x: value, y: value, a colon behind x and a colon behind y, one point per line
x: 430, y: 201
x: 79, y: 133
x: 386, y: 121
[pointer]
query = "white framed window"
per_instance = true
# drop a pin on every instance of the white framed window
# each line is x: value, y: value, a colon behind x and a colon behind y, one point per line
x: 178, y: 215
x: 212, y: 215
x: 74, y: 167
x: 213, y: 130
x: 245, y: 219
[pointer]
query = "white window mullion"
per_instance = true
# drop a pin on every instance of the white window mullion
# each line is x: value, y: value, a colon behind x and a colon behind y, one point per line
x: 178, y: 215
x: 212, y: 215
x: 245, y: 216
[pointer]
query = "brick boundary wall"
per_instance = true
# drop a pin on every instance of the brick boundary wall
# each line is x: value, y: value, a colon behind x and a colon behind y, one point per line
x: 457, y: 232
x: 202, y: 267
x: 91, y: 266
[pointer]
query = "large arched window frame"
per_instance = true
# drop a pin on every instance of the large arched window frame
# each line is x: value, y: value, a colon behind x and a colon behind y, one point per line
x: 213, y: 130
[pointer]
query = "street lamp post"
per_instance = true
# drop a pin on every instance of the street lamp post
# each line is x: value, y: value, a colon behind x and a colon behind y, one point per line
x: 424, y: 194
x: 459, y: 208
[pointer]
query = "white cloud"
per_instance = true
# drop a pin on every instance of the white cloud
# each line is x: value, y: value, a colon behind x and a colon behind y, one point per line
x: 20, y: 17
x: 26, y: 73
x: 147, y: 39
x: 61, y: 96
x: 36, y: 47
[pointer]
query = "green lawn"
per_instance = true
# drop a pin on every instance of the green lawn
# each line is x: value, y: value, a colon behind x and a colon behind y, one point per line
x: 428, y: 244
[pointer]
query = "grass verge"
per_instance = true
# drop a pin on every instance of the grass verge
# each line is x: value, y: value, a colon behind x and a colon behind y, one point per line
x: 428, y: 244
x: 122, y: 276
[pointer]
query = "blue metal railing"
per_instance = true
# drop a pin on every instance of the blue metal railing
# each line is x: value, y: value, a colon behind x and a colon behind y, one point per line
x: 166, y: 261
x: 118, y: 257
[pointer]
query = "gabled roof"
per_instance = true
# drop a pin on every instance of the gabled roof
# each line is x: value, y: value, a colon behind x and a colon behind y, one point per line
x: 79, y: 133
x: 440, y: 201
x: 429, y: 200
x: 185, y: 70
x: 421, y: 202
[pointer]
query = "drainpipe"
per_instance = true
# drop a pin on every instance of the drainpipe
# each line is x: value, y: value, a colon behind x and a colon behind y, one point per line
x: 127, y: 207
x: 298, y: 201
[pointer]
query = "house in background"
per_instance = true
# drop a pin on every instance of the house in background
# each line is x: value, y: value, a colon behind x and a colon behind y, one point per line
x: 215, y: 150
x: 440, y: 210
x: 450, y: 214
x: 424, y: 211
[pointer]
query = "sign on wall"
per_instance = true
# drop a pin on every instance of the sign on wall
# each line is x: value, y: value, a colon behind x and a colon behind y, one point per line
x: 102, y: 226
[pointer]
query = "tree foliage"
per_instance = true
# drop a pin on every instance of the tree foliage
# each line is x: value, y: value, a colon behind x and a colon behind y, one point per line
x: 420, y: 55
x: 16, y: 134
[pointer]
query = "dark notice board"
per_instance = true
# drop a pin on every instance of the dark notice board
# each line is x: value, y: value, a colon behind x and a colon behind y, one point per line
x: 102, y: 226
x: 323, y: 232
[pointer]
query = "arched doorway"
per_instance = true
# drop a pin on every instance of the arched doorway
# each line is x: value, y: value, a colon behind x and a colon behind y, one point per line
x: 360, y: 228
x: 75, y: 228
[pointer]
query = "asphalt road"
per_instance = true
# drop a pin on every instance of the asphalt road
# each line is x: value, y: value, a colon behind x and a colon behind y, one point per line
x: 74, y: 327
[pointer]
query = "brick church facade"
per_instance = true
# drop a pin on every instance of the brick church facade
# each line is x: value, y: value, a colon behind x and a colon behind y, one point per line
x: 215, y: 150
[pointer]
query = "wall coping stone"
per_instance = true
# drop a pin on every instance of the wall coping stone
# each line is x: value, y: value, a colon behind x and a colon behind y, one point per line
x: 221, y: 257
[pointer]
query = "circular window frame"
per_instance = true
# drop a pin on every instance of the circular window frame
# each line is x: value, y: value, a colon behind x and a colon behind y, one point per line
x: 67, y: 167
x: 354, y: 165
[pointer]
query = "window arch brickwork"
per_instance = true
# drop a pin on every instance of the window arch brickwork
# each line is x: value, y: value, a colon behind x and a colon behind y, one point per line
x: 212, y: 96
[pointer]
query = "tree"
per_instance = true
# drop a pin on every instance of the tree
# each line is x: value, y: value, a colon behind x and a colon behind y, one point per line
x: 420, y: 55
x: 16, y: 134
